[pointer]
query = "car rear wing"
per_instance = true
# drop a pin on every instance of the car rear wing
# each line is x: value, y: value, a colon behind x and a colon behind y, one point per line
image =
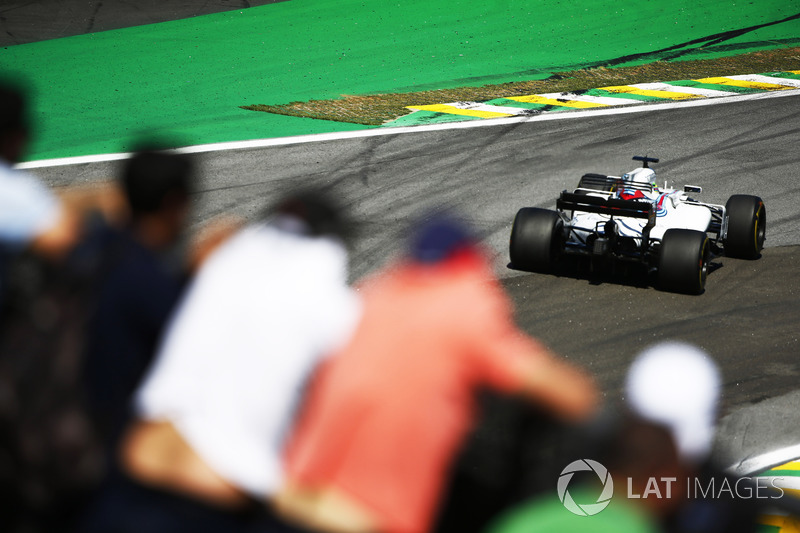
x: 614, y: 207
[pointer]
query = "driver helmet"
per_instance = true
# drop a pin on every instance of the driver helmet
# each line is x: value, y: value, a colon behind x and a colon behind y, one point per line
x: 641, y: 176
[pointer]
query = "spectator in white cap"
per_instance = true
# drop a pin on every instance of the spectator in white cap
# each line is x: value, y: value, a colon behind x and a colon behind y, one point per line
x: 677, y: 385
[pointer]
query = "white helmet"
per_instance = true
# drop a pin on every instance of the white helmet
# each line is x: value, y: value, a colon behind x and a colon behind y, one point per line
x: 641, y: 176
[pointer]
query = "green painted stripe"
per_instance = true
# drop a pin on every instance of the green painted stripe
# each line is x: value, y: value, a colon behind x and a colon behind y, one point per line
x: 717, y: 87
x: 737, y: 82
x: 779, y: 473
x: 628, y: 96
x: 789, y: 75
x: 456, y: 110
x: 528, y: 105
x: 421, y: 118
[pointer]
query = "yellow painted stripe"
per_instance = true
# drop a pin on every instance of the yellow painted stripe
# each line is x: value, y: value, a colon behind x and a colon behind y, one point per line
x: 536, y: 99
x: 771, y: 520
x: 745, y: 84
x: 787, y: 524
x: 794, y: 71
x: 669, y: 95
x: 791, y: 465
x: 792, y: 492
x: 452, y: 110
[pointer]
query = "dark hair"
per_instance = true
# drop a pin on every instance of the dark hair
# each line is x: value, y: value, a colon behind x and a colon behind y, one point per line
x: 13, y: 107
x: 637, y: 447
x: 320, y: 214
x: 152, y: 177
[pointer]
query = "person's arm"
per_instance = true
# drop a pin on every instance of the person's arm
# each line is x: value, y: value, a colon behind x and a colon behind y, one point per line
x: 209, y: 237
x: 561, y: 388
x: 61, y: 235
x: 513, y: 361
x: 327, y: 510
x: 103, y: 197
x: 56, y: 240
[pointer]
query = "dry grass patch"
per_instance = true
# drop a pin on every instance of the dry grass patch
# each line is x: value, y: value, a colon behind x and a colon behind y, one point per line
x: 374, y: 110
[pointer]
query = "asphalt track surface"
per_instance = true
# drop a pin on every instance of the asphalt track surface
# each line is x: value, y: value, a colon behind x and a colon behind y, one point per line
x: 747, y: 319
x: 25, y: 21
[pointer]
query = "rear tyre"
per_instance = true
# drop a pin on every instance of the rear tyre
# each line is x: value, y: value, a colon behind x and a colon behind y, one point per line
x: 536, y: 239
x: 683, y: 261
x: 747, y: 226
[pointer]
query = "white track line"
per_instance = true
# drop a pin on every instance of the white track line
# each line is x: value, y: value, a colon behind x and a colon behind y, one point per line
x: 683, y: 89
x: 784, y: 482
x: 378, y: 132
x: 480, y: 106
x: 759, y: 78
x: 752, y: 465
x: 605, y: 100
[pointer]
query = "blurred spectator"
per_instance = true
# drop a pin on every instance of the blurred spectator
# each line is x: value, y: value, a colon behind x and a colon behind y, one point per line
x: 31, y: 215
x: 638, y: 452
x: 657, y: 453
x: 139, y: 285
x: 389, y: 412
x: 205, y: 451
x: 678, y: 386
x: 49, y: 453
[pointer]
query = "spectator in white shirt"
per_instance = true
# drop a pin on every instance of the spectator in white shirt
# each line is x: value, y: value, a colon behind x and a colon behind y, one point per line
x: 264, y: 309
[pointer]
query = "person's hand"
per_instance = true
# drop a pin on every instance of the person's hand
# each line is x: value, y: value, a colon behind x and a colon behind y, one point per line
x: 104, y: 197
x: 209, y: 237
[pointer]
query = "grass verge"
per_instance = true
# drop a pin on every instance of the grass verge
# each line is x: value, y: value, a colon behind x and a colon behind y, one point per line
x: 378, y: 109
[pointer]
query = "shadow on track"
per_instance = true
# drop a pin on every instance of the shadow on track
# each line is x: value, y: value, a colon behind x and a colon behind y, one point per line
x: 607, y: 272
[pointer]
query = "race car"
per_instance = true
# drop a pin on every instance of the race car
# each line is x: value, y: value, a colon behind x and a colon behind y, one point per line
x: 629, y: 218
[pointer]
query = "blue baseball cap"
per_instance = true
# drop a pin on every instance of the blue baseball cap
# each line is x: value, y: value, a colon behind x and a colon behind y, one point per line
x: 438, y: 238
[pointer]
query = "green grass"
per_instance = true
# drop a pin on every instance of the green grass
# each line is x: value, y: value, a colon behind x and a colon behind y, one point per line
x: 191, y: 78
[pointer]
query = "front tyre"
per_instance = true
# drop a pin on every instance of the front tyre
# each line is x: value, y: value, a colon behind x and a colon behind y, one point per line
x: 747, y: 226
x: 683, y: 261
x: 536, y: 239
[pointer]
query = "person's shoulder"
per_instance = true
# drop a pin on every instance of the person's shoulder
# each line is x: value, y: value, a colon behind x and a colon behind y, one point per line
x: 23, y: 196
x: 22, y: 181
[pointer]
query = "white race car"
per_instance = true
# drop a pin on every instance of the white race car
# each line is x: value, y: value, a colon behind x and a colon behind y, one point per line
x: 629, y: 218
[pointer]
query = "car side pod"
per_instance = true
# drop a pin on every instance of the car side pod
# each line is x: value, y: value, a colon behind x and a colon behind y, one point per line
x: 683, y: 261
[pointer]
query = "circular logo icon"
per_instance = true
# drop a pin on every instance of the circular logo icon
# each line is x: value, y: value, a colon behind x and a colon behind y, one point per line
x: 587, y: 509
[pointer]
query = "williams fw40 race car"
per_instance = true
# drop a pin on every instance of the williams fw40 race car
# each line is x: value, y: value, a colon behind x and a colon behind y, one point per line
x: 628, y: 218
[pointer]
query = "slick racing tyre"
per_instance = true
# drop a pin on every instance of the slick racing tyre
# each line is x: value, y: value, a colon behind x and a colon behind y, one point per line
x: 536, y: 239
x: 683, y: 261
x: 747, y: 226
